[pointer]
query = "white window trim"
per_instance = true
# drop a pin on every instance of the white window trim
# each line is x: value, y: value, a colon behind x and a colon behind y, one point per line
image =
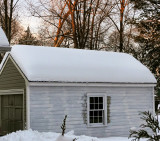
x: 104, y: 95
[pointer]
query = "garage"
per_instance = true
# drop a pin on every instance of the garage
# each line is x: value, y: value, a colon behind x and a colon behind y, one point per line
x: 12, y: 100
x: 92, y: 96
x: 11, y: 113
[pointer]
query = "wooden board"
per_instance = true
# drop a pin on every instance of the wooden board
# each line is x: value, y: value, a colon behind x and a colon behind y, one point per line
x: 11, y: 113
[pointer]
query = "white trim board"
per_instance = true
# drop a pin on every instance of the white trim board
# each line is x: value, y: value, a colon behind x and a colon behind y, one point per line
x: 153, y: 103
x: 51, y: 84
x: 104, y: 95
x: 27, y: 106
x: 11, y: 91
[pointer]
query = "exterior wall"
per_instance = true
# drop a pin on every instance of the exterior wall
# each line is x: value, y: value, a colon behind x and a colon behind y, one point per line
x: 49, y: 105
x: 11, y: 79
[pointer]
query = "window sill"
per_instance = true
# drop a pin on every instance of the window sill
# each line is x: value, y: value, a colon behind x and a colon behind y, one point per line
x: 96, y: 126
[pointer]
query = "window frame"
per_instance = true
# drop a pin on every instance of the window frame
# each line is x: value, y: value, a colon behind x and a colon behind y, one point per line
x: 104, y: 109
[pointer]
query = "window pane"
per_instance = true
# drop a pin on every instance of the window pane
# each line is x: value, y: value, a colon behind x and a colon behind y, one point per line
x: 91, y: 113
x: 92, y: 100
x: 91, y: 119
x: 96, y: 110
x: 92, y: 106
x: 96, y: 106
x: 100, y: 113
x: 100, y: 119
x: 100, y: 106
x: 100, y: 99
x: 95, y: 119
x: 96, y: 99
x: 95, y: 113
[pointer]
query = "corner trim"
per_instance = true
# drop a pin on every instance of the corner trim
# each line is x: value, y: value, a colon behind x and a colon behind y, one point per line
x: 153, y: 102
x: 11, y: 91
x: 27, y: 106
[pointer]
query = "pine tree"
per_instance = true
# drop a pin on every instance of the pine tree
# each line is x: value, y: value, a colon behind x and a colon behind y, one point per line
x: 151, y: 123
x: 28, y: 38
x: 148, y: 25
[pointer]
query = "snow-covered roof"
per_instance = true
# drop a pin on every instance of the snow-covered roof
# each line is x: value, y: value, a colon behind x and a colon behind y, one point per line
x: 75, y: 65
x: 4, y: 44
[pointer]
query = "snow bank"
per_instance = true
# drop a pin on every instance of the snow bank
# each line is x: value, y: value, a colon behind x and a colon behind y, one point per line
x: 30, y: 135
x: 64, y: 138
x: 75, y: 65
x: 3, y: 39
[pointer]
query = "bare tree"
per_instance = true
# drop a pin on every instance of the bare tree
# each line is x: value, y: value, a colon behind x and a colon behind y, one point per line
x: 123, y: 11
x: 7, y: 9
x: 77, y: 23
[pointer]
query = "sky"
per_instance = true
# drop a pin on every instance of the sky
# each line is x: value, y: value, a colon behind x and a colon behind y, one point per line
x: 26, y: 19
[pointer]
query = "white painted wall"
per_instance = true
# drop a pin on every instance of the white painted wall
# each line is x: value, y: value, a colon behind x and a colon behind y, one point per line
x: 49, y: 105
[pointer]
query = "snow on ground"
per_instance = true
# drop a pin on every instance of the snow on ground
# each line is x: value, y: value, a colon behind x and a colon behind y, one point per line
x: 30, y: 135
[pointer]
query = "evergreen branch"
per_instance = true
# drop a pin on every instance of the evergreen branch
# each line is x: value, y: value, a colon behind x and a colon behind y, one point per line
x: 151, y: 123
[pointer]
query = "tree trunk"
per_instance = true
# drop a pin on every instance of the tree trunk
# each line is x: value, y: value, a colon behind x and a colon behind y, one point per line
x: 92, y: 25
x: 61, y: 22
x: 10, y: 21
x: 121, y: 25
x: 88, y: 23
x: 72, y: 9
x: 6, y: 17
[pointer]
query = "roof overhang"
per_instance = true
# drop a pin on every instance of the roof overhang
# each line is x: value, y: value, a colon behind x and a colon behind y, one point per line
x: 4, y: 44
x: 75, y: 84
x: 4, y: 48
x: 91, y: 84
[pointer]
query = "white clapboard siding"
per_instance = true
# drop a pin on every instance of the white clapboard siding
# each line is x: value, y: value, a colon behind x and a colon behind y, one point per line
x: 49, y: 105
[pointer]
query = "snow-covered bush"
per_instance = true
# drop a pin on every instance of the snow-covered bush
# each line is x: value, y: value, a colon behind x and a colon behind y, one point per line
x: 62, y: 137
x: 151, y: 123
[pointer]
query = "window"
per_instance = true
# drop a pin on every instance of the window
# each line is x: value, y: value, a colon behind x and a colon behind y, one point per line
x: 96, y: 110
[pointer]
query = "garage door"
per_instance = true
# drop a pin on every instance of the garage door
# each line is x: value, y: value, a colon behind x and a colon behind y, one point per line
x: 11, y: 113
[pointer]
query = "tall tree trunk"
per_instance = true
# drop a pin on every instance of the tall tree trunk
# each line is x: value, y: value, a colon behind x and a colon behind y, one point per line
x: 92, y: 28
x: 61, y: 22
x: 6, y: 17
x: 10, y: 21
x: 1, y: 20
x: 92, y: 25
x: 83, y: 30
x: 121, y: 25
x: 72, y: 8
x: 88, y: 23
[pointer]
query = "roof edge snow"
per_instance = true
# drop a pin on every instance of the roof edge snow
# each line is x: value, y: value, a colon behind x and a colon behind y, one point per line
x: 4, y: 44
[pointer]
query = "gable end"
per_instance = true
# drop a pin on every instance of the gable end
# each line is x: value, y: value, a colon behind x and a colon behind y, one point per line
x: 10, y: 76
